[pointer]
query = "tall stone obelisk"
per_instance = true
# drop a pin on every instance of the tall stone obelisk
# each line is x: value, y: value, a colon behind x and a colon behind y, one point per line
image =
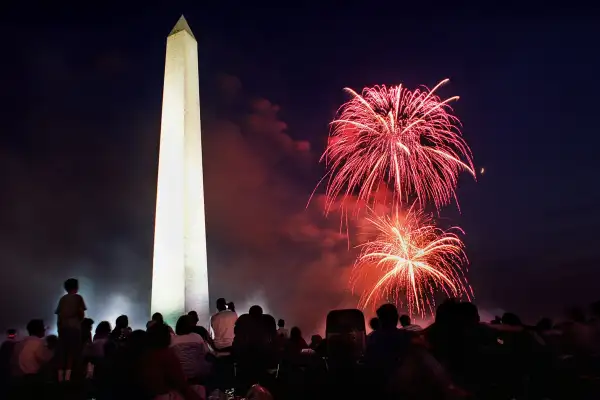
x: 179, y: 276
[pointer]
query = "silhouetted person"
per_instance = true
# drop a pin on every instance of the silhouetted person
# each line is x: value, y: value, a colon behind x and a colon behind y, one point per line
x: 315, y: 342
x: 406, y: 324
x: 295, y: 344
x: 200, y: 330
x: 32, y: 353
x: 87, y: 325
x: 511, y: 319
x: 122, y: 329
x: 71, y: 312
x: 222, y: 325
x: 387, y: 346
x: 100, y: 338
x: 374, y: 324
x: 282, y: 330
x: 161, y: 372
x: 6, y: 351
x: 464, y: 346
x: 577, y: 334
x: 231, y: 306
x: 157, y: 318
x: 254, y: 346
x: 120, y: 377
x: 193, y: 318
x: 191, y: 350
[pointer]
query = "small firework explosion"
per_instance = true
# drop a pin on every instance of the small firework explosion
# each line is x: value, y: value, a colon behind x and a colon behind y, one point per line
x: 409, y: 261
x: 407, y: 139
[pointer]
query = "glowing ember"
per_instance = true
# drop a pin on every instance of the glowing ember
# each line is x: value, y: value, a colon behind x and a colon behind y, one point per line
x: 410, y: 256
x: 407, y: 139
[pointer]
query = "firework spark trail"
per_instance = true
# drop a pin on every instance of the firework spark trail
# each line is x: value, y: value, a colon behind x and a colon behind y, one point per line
x: 407, y: 139
x: 411, y: 256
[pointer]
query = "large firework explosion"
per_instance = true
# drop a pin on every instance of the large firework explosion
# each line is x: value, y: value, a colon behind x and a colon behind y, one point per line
x: 407, y: 139
x: 411, y: 259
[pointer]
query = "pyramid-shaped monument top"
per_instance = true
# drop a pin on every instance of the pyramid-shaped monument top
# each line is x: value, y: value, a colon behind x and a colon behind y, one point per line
x: 181, y: 25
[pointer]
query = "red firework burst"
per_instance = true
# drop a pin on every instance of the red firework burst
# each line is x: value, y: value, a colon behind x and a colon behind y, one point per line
x: 407, y: 139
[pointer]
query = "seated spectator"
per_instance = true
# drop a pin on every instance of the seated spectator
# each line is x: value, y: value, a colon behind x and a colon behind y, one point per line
x: 157, y: 318
x: 86, y: 331
x: 191, y: 350
x: 295, y: 344
x: 193, y: 318
x: 32, y: 353
x: 315, y: 342
x: 96, y: 349
x: 6, y: 351
x: 122, y: 329
x: 222, y: 325
x: 578, y: 336
x: 161, y: 374
x: 254, y: 346
x: 118, y: 337
x: 407, y: 325
x: 374, y: 325
x: 387, y: 346
x: 282, y: 330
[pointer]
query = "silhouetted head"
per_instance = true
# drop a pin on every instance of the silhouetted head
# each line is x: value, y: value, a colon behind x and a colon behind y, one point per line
x: 103, y: 328
x: 159, y: 336
x: 468, y: 313
x: 315, y: 339
x: 158, y: 318
x: 71, y: 285
x: 255, y: 311
x: 231, y: 306
x: 138, y: 341
x: 446, y: 312
x: 184, y: 325
x: 122, y: 322
x: 281, y: 323
x: 11, y: 333
x: 193, y: 318
x: 36, y: 327
x: 51, y: 342
x: 511, y: 319
x: 221, y: 304
x: 374, y: 323
x: 200, y: 330
x: 295, y: 333
x: 388, y: 316
x: 87, y: 324
x: 404, y: 320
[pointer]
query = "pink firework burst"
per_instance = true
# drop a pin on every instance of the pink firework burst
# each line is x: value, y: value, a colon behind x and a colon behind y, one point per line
x: 409, y: 140
x: 408, y: 261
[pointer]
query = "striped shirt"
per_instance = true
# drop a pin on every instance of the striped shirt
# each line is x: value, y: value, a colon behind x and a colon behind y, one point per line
x: 191, y: 351
x: 412, y: 328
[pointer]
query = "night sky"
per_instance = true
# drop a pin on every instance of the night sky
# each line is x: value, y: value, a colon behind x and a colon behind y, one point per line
x: 81, y: 100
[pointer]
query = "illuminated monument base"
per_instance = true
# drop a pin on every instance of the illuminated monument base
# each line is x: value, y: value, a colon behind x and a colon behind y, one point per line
x: 179, y: 275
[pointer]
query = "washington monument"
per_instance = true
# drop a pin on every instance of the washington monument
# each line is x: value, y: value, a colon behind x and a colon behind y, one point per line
x: 179, y: 276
